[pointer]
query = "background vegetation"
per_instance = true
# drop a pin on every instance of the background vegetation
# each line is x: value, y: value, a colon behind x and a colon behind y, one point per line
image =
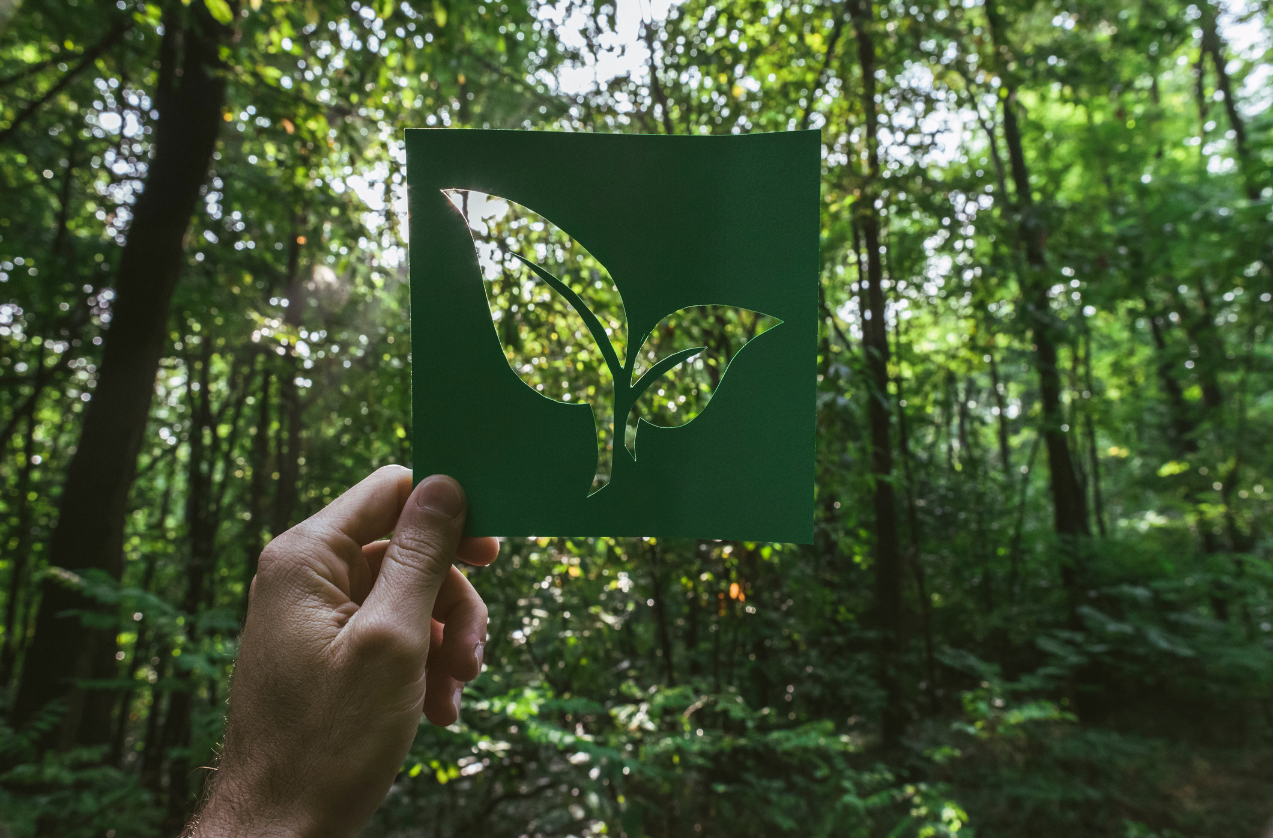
x: 1039, y: 598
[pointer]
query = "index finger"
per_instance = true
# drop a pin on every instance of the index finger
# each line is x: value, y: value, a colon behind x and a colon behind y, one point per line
x: 365, y: 512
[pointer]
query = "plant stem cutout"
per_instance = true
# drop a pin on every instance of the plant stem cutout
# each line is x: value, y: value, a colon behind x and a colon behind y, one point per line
x: 617, y: 335
x: 548, y: 303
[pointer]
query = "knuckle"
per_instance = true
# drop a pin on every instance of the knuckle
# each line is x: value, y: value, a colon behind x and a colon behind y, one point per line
x: 275, y: 553
x: 423, y: 551
x: 389, y: 644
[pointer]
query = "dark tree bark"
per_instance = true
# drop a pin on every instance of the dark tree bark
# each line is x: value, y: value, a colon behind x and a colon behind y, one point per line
x: 1018, y: 529
x: 141, y: 648
x: 1202, y: 330
x: 912, y: 517
x: 692, y: 607
x: 94, y: 499
x: 1005, y: 456
x: 1098, y: 497
x: 660, y: 614
x: 258, y: 497
x: 1069, y: 506
x: 1182, y: 421
x: 289, y: 448
x: 204, y: 496
x: 200, y: 537
x: 888, y: 564
x: 21, y: 553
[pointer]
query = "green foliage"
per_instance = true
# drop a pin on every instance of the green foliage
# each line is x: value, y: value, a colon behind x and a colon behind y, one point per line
x: 1119, y: 686
x: 68, y: 793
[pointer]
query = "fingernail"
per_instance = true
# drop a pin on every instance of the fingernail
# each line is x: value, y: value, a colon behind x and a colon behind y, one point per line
x: 458, y: 692
x: 477, y: 654
x: 440, y: 495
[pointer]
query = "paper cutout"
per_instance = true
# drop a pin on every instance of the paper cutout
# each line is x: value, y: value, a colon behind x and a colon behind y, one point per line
x: 690, y: 349
x: 700, y: 235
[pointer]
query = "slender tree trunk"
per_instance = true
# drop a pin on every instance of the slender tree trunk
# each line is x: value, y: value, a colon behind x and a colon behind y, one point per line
x: 888, y: 563
x: 94, y: 500
x: 691, y: 618
x: 1069, y: 507
x: 1075, y: 422
x: 1014, y: 545
x: 947, y: 408
x: 1182, y: 422
x: 912, y: 516
x: 1098, y: 498
x: 1005, y: 456
x: 141, y: 648
x: 971, y: 462
x: 259, y: 488
x: 152, y: 754
x: 1211, y: 356
x: 1184, y: 443
x: 21, y: 553
x: 1213, y: 45
x: 201, y: 534
x: 660, y: 613
x: 289, y: 449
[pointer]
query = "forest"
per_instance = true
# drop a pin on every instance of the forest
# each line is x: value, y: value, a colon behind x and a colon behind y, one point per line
x: 1038, y: 600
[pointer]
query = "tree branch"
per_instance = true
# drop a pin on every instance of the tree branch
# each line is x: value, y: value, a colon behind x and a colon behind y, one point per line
x: 117, y: 31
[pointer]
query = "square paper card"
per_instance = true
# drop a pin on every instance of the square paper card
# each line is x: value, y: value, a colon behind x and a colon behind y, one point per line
x: 616, y: 335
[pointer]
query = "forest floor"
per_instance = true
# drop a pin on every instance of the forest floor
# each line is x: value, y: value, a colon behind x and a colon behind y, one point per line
x: 1098, y: 781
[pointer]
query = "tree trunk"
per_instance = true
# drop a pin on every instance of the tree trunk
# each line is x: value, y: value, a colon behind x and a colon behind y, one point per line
x: 94, y: 498
x: 912, y: 517
x: 141, y: 648
x: 20, y: 559
x: 258, y: 491
x: 1069, y: 506
x: 1098, y: 498
x: 660, y: 614
x: 1212, y: 44
x: 289, y: 452
x: 1005, y: 456
x: 201, y: 534
x: 1182, y: 422
x: 888, y: 565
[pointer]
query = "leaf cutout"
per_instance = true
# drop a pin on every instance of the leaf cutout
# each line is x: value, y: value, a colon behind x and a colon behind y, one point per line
x: 561, y: 321
x: 683, y: 361
x: 545, y: 338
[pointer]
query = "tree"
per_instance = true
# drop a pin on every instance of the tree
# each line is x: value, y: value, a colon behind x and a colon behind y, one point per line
x: 188, y: 96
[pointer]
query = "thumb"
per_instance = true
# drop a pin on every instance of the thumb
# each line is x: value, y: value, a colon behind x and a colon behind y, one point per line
x: 418, y: 560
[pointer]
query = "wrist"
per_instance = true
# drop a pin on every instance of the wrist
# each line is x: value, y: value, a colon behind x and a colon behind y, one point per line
x: 232, y: 811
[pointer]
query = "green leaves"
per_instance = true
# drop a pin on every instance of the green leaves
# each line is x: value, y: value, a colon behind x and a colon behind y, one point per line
x: 220, y: 11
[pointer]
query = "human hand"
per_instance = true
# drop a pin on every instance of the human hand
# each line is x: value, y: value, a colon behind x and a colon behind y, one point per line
x: 347, y: 640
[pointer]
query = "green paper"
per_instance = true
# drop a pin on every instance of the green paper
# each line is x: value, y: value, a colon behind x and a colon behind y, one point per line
x: 681, y: 402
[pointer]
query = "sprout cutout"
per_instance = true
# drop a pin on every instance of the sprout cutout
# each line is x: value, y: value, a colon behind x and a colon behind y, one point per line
x: 561, y: 321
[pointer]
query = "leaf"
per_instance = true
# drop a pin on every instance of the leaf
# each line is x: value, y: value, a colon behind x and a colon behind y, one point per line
x: 541, y: 326
x: 683, y: 361
x: 562, y: 323
x: 220, y: 11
